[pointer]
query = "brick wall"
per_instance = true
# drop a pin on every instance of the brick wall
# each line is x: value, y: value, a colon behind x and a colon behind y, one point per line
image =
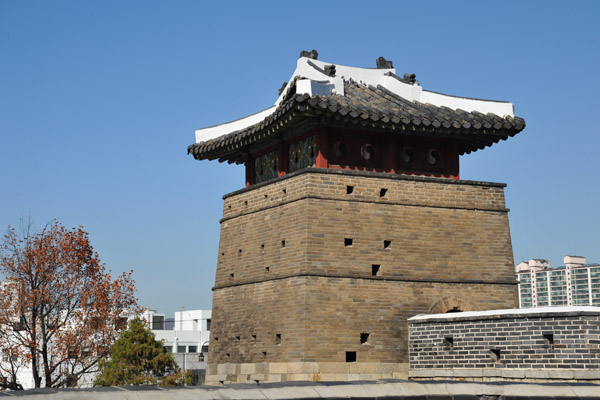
x: 522, y: 343
x: 309, y: 262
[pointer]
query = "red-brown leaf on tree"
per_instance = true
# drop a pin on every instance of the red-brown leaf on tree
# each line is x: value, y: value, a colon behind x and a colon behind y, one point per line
x: 59, y: 307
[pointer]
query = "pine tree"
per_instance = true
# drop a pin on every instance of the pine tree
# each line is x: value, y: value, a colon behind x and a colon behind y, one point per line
x: 137, y: 358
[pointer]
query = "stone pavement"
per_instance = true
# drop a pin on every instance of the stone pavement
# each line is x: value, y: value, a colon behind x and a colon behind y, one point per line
x: 385, y: 389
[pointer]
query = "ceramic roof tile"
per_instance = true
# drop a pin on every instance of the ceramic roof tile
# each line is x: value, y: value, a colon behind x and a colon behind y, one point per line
x: 378, y: 104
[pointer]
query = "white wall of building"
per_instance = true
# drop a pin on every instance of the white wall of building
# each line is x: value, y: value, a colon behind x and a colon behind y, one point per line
x: 186, y: 333
x: 190, y: 333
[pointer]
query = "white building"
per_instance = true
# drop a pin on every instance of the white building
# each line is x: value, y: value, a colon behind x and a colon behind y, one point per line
x: 186, y: 336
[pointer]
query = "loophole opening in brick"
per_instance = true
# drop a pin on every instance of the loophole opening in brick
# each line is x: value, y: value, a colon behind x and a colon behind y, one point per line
x: 495, y: 355
x: 348, y: 242
x: 364, y: 338
x: 548, y: 338
x: 375, y: 269
x: 449, y: 341
x: 349, y: 189
x: 350, y: 356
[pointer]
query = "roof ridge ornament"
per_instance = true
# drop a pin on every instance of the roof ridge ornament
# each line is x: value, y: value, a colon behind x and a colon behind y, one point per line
x: 313, y: 54
x: 410, y: 79
x: 382, y: 63
x: 330, y: 70
x: 282, y: 88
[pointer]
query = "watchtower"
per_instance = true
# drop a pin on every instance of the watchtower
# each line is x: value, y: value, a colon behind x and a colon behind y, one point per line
x: 353, y: 219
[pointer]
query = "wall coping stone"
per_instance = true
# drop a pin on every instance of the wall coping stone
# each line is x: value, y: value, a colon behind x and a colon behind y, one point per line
x: 544, y: 312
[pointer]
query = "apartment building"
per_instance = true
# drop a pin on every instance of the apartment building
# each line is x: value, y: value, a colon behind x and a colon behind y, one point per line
x: 575, y: 283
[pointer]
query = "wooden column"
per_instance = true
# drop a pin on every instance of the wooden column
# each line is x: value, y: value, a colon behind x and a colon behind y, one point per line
x: 249, y: 170
x: 452, y: 164
x: 282, y: 165
x: 322, y: 149
x: 389, y: 154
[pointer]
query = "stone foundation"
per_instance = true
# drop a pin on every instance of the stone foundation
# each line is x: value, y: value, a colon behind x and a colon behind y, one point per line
x: 303, y: 371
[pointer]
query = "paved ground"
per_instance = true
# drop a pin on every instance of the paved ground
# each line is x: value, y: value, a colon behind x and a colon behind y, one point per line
x: 387, y: 389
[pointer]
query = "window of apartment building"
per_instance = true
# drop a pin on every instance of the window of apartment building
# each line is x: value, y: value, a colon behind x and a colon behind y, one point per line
x: 181, y: 349
x: 208, y: 324
x: 580, y: 287
x: 158, y: 322
x: 525, y: 290
x: 558, y: 288
x: 169, y: 349
x: 542, y: 288
x: 192, y: 349
x: 595, y: 282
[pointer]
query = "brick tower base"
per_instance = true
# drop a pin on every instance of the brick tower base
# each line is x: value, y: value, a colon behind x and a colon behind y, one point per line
x: 319, y: 270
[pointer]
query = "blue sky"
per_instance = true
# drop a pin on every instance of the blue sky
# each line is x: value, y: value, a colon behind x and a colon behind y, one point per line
x: 99, y: 101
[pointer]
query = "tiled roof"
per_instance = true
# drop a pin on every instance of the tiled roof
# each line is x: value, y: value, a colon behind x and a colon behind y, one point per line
x: 366, y: 107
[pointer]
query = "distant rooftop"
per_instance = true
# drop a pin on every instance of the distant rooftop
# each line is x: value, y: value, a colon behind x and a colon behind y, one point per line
x: 540, y: 264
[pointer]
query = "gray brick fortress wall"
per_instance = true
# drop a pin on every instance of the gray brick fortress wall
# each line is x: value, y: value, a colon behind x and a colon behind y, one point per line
x: 561, y: 343
x: 319, y: 270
